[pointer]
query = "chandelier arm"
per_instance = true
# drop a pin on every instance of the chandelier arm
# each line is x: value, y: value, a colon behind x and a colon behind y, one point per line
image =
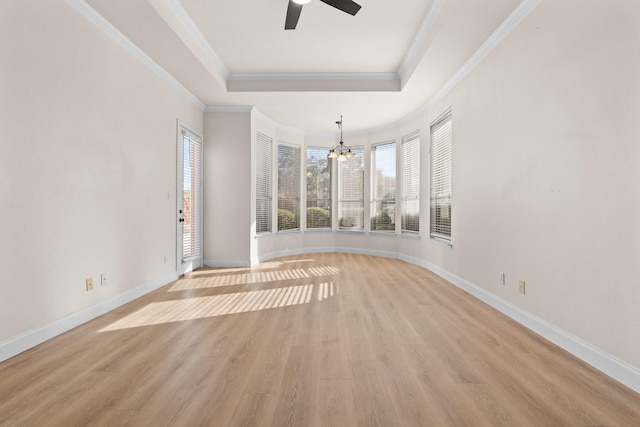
x: 340, y: 151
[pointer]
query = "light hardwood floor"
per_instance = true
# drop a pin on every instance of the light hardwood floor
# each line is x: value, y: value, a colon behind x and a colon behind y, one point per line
x: 309, y: 340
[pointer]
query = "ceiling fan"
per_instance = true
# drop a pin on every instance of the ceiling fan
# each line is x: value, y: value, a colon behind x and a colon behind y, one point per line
x: 295, y: 7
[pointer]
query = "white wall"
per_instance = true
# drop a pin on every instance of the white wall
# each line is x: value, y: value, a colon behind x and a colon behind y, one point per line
x: 88, y: 158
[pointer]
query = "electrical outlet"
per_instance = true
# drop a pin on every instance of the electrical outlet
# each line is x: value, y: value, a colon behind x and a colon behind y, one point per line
x: 521, y: 286
x: 501, y: 279
x: 103, y: 279
x: 89, y: 283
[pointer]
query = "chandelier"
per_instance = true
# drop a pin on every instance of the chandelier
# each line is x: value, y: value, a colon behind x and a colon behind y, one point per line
x: 341, y: 152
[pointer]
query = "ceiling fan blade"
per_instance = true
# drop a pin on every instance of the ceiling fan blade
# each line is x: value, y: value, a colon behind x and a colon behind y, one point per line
x: 293, y: 14
x: 348, y: 6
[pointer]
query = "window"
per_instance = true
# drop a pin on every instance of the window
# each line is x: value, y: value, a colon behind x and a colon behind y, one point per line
x: 440, y: 223
x: 288, y: 186
x: 351, y: 191
x: 318, y: 188
x: 383, y: 187
x: 411, y: 183
x: 263, y: 183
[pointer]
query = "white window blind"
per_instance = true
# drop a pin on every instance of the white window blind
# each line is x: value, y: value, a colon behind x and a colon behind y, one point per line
x: 318, y: 188
x: 383, y: 187
x: 264, y: 158
x: 440, y: 212
x: 191, y: 195
x: 288, y: 186
x: 351, y: 191
x: 410, y: 213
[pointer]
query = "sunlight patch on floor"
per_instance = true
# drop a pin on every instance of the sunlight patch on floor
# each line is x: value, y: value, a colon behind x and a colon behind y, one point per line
x: 188, y: 283
x: 325, y: 291
x: 227, y: 270
x: 219, y: 305
x: 267, y: 265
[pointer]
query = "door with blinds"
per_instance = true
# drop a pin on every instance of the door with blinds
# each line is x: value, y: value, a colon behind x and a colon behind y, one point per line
x: 189, y: 200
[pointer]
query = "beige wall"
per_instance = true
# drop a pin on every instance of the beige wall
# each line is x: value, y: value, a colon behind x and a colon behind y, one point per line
x: 88, y: 158
x: 227, y: 189
x: 546, y: 178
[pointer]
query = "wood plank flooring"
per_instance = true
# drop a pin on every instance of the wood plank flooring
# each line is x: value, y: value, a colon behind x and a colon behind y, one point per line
x: 309, y: 340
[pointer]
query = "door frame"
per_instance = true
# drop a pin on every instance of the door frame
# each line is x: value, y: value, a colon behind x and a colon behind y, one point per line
x: 186, y: 265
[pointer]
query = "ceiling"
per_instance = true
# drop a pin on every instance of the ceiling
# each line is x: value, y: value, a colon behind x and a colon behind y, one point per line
x: 374, y: 68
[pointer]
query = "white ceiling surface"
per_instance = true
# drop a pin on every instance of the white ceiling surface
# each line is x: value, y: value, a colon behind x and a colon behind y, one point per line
x: 246, y: 40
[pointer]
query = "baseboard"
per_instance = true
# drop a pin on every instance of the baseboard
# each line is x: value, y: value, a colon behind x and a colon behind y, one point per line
x: 326, y: 249
x: 297, y: 251
x: 18, y: 344
x: 604, y: 362
x: 373, y: 252
x: 227, y: 263
x: 277, y: 254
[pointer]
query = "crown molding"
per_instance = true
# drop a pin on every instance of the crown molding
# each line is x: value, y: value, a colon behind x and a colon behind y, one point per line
x: 228, y: 109
x: 114, y: 34
x: 410, y: 60
x: 177, y: 18
x: 311, y: 76
x: 314, y: 82
x: 512, y: 21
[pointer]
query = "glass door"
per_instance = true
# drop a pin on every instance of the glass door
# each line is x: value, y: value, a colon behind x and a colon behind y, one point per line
x: 189, y: 198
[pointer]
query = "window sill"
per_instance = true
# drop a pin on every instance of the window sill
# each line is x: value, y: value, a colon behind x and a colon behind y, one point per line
x: 383, y: 232
x: 441, y: 242
x: 291, y: 231
x: 410, y: 236
x: 318, y: 230
x: 347, y: 230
